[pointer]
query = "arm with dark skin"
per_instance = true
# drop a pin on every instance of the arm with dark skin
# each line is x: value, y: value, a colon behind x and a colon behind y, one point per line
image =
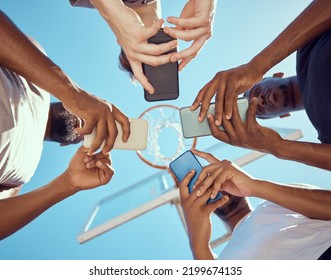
x: 83, y: 173
x: 226, y: 176
x: 21, y: 56
x: 252, y: 135
x: 312, y: 22
x: 197, y: 216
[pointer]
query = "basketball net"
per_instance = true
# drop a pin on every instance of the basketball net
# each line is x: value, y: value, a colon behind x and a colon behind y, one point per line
x: 165, y: 137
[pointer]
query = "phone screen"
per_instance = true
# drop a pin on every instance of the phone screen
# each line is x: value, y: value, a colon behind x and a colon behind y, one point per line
x: 185, y: 163
x: 191, y: 127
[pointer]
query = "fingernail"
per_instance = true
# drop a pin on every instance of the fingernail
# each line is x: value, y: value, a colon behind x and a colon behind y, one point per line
x: 217, y: 122
x: 212, y: 196
x: 228, y: 117
x: 90, y: 154
x: 199, y: 119
x: 193, y: 187
x: 85, y: 159
x: 99, y: 163
x: 198, y: 193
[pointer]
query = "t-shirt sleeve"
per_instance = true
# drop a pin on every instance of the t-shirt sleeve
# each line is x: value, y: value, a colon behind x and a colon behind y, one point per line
x: 81, y: 3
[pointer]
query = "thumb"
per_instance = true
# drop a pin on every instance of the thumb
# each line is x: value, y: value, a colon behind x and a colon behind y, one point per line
x: 251, y: 112
x: 183, y: 185
x: 154, y: 28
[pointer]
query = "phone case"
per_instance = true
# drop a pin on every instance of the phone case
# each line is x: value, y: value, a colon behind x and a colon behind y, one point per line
x: 183, y: 164
x: 192, y: 128
x: 164, y: 78
x: 137, y: 139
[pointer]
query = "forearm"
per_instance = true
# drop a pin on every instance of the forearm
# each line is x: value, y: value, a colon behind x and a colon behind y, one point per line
x: 201, y: 252
x: 110, y: 10
x: 20, y: 55
x: 312, y: 203
x: 312, y: 22
x: 314, y: 154
x: 16, y: 212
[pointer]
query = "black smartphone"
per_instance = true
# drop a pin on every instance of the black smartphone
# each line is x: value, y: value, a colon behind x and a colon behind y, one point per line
x: 183, y: 164
x: 164, y: 78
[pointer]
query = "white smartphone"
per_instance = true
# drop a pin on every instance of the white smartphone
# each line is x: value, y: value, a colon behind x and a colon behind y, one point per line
x: 191, y: 127
x: 137, y: 139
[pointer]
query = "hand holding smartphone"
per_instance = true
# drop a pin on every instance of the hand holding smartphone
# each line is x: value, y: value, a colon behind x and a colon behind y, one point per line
x: 183, y: 164
x: 164, y: 78
x: 193, y: 128
x: 137, y: 139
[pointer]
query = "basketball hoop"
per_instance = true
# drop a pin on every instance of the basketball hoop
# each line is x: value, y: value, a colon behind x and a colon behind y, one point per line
x: 165, y: 137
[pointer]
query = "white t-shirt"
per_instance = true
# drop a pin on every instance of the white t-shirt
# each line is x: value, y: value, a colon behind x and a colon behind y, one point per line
x: 272, y: 232
x: 23, y: 118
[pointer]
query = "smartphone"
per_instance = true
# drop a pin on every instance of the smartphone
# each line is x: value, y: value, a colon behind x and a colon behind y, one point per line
x: 191, y: 127
x: 183, y: 164
x: 137, y: 139
x: 164, y: 78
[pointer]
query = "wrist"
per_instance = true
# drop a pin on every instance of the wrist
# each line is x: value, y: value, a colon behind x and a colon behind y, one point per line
x: 259, y: 65
x: 109, y: 9
x: 259, y: 188
x: 277, y: 148
x: 65, y: 184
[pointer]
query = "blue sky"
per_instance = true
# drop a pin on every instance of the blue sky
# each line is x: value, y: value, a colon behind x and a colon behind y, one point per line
x: 81, y: 43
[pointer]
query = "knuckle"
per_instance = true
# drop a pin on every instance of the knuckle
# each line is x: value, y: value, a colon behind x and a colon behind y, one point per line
x: 226, y: 162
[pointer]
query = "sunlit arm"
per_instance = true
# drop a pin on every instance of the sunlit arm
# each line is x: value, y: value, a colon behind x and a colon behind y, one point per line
x: 313, y: 21
x: 20, y: 55
x: 315, y: 154
x: 313, y: 203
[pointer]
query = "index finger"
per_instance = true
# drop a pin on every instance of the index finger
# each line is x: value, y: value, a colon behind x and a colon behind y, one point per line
x: 186, y: 35
x: 219, y: 103
x: 158, y: 49
x: 191, y: 51
x: 229, y: 98
x: 207, y: 156
x: 124, y: 121
x: 101, y: 135
x: 140, y: 76
x: 187, y: 23
x: 183, y: 185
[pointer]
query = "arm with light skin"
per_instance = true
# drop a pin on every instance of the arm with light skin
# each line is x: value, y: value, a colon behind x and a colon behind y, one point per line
x: 132, y: 35
x: 18, y: 211
x: 252, y: 135
x: 312, y: 22
x: 194, y: 24
x: 21, y: 56
x: 197, y: 216
x: 226, y: 176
